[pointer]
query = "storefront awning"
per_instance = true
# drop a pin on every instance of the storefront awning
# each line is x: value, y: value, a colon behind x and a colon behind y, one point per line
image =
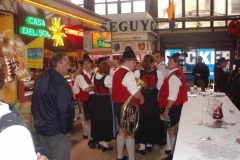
x: 88, y: 18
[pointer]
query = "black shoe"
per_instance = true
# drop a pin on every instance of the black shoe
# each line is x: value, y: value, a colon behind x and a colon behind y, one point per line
x: 170, y: 157
x: 168, y: 151
x: 91, y: 144
x: 106, y: 148
x: 99, y: 146
x: 124, y: 158
x: 143, y: 152
x: 149, y: 149
x: 84, y: 137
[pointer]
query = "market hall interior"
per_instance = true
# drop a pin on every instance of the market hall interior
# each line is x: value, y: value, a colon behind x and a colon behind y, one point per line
x: 104, y: 28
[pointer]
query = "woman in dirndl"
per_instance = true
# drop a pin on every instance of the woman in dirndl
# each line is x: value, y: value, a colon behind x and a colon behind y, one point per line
x: 149, y: 128
x: 102, y: 118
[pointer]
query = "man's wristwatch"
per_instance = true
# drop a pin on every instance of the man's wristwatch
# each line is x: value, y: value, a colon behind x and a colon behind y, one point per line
x: 167, y: 108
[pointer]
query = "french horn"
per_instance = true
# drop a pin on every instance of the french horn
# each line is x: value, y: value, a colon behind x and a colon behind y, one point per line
x: 130, y: 113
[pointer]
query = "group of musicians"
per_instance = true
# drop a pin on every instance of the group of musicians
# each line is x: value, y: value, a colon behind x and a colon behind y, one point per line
x: 103, y: 95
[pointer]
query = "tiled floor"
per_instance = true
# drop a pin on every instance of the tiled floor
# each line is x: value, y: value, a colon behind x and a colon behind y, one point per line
x: 81, y: 151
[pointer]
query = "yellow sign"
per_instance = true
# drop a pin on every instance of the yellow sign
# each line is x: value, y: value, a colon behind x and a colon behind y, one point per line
x: 35, y: 53
x: 57, y: 33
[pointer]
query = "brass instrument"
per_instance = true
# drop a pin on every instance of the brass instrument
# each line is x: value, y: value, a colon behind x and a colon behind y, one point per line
x: 95, y: 69
x: 130, y: 113
x: 209, y: 84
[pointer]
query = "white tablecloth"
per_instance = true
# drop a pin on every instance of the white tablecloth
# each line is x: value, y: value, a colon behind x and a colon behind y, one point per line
x: 191, y: 141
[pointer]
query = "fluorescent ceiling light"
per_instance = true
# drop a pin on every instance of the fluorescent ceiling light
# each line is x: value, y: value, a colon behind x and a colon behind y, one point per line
x: 51, y: 9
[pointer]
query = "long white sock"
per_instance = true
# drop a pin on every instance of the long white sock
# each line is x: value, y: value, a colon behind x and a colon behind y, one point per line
x: 120, y: 145
x: 149, y: 145
x: 142, y: 146
x: 168, y: 146
x: 83, y: 125
x: 101, y: 142
x: 88, y: 128
x: 81, y: 116
x: 105, y: 144
x: 172, y: 143
x: 75, y: 119
x: 130, y: 144
x: 84, y: 128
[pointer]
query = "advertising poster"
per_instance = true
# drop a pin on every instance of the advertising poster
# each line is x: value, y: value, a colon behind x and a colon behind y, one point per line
x: 139, y: 47
x: 210, y: 57
x: 35, y: 53
x: 101, y: 40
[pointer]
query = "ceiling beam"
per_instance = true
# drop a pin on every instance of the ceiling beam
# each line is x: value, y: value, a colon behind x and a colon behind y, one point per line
x: 205, y: 18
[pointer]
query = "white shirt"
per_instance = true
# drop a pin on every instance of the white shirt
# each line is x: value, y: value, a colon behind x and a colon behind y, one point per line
x: 159, y: 76
x: 82, y: 83
x: 112, y: 71
x: 76, y: 88
x: 174, y: 84
x: 107, y: 80
x: 162, y: 67
x: 129, y: 81
x: 15, y: 141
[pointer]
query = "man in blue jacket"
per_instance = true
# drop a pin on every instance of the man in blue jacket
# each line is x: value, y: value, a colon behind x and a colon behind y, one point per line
x: 53, y: 109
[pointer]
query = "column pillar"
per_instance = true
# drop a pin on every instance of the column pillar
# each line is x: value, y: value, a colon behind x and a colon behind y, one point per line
x: 89, y: 4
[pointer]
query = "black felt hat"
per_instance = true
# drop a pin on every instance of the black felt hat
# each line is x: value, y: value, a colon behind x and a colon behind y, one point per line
x: 220, y: 60
x: 176, y: 57
x: 128, y: 55
x: 101, y: 59
x: 86, y: 57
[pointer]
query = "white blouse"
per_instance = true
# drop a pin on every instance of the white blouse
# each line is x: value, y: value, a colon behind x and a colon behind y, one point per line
x: 107, y: 80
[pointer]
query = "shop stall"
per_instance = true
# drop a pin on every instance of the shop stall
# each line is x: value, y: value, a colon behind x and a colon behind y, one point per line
x: 49, y: 27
